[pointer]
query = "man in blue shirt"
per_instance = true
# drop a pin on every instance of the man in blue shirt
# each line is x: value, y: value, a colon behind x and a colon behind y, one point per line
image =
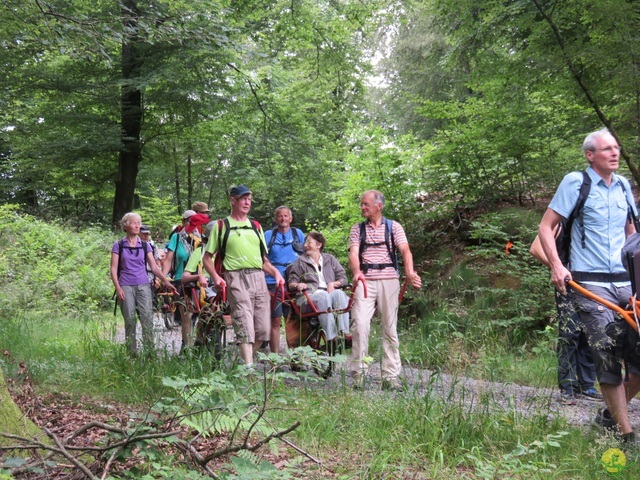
x: 284, y: 244
x: 596, y: 244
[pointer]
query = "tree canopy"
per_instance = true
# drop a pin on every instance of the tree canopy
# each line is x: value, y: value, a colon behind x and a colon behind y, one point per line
x: 111, y: 106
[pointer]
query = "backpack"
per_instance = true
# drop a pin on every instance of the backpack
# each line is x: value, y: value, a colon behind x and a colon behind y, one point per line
x: 563, y: 237
x: 144, y: 248
x: 296, y: 244
x: 389, y: 241
x: 189, y: 243
x: 222, y: 240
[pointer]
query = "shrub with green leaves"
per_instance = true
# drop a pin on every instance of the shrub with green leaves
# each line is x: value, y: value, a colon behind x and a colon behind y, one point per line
x: 48, y: 265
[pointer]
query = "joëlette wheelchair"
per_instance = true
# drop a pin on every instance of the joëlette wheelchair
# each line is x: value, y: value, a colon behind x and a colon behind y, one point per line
x: 302, y: 326
x: 213, y: 318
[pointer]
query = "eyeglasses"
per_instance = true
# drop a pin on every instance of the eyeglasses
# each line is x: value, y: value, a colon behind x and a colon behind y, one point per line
x: 607, y: 149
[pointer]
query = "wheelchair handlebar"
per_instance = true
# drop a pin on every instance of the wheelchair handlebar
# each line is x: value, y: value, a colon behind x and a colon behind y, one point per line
x: 626, y: 314
x: 274, y: 297
x: 364, y: 286
x: 223, y: 291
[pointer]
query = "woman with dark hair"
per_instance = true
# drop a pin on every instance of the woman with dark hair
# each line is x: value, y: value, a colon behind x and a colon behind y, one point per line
x: 129, y: 259
x: 322, y: 274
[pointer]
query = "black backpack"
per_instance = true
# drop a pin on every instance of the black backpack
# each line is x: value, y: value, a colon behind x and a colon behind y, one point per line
x: 222, y: 240
x: 563, y: 237
x: 145, y: 249
x: 389, y: 241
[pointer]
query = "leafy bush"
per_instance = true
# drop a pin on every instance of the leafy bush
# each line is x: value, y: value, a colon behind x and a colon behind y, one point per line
x: 47, y: 266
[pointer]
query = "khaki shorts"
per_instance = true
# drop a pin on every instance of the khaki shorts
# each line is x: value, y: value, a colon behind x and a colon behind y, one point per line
x: 250, y: 304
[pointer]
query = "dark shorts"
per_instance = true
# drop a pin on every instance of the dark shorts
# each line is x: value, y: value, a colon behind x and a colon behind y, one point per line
x: 599, y: 324
x: 281, y: 308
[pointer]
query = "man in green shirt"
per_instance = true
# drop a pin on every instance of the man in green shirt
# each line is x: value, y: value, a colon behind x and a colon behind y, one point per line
x: 244, y: 261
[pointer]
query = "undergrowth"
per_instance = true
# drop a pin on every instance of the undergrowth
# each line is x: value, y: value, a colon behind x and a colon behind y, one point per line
x: 483, y: 313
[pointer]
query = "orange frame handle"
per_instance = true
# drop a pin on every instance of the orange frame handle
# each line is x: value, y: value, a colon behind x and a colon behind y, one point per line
x: 626, y: 314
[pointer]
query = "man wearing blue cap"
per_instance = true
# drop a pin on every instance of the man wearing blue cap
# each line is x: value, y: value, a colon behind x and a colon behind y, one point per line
x: 241, y: 259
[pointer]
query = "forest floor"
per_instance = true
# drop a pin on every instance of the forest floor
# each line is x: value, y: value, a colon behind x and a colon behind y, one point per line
x: 475, y: 393
x: 63, y: 414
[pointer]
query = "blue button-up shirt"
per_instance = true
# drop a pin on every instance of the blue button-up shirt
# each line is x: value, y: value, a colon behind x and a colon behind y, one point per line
x: 605, y: 217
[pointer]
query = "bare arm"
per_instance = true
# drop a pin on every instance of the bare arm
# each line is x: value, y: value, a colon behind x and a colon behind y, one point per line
x: 207, y: 263
x: 407, y: 260
x: 115, y: 259
x: 267, y: 267
x: 151, y: 261
x: 354, y: 264
x: 546, y: 233
x: 168, y: 261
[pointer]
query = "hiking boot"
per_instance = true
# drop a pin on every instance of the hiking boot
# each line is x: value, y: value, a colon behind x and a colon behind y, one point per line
x: 358, y: 382
x: 604, y: 422
x: 567, y: 398
x: 590, y: 394
x: 391, y: 384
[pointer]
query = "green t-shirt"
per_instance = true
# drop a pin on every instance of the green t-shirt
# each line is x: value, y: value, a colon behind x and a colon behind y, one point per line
x: 243, y: 245
x: 194, y: 259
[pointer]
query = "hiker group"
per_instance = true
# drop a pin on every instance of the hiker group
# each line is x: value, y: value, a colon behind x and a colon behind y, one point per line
x: 251, y: 266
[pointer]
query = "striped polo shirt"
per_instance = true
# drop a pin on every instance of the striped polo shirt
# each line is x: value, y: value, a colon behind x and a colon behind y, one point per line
x: 377, y: 253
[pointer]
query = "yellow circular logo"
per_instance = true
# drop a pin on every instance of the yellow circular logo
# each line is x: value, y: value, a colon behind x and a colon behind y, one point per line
x: 614, y: 460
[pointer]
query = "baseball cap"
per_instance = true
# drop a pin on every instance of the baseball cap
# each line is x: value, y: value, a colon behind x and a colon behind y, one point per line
x: 144, y: 229
x: 239, y: 191
x: 200, y: 207
x: 187, y: 214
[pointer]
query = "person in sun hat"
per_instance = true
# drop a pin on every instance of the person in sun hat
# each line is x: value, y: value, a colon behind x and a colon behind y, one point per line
x: 200, y: 207
x: 181, y: 245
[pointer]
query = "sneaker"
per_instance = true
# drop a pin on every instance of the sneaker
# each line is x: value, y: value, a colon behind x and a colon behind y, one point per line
x: 590, y: 394
x: 391, y: 384
x: 603, y: 421
x: 567, y: 398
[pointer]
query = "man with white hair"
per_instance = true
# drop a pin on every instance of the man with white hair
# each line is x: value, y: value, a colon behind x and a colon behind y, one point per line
x: 595, y: 262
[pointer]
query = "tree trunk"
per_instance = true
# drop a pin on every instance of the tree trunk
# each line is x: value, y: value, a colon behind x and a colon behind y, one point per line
x: 176, y: 171
x: 130, y: 116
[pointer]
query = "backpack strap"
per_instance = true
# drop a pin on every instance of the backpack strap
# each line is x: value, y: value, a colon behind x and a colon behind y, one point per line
x: 224, y: 237
x: 631, y: 216
x: 578, y: 210
x: 389, y: 241
x: 272, y: 240
x: 256, y: 228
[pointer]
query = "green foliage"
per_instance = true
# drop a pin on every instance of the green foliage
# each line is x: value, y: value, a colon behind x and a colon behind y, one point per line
x: 523, y: 460
x: 43, y: 262
x: 479, y: 314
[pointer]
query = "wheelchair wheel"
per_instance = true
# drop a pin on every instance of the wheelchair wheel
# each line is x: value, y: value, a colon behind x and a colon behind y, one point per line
x: 168, y: 319
x: 324, y: 347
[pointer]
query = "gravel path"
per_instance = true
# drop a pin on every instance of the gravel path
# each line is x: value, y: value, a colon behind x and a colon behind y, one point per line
x: 494, y: 396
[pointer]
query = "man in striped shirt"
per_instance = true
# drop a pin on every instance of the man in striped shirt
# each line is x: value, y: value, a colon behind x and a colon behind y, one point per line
x: 372, y: 259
